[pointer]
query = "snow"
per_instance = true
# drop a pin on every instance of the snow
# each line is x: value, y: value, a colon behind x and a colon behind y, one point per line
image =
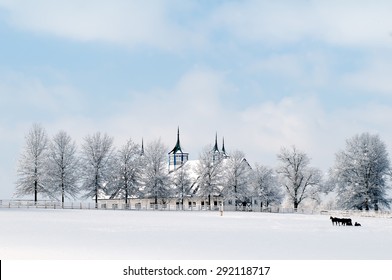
x: 162, y: 235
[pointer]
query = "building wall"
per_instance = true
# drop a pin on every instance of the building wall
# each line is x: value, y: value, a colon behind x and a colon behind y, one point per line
x: 195, y: 203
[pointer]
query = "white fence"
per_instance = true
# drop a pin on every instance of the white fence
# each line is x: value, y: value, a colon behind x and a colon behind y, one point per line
x: 357, y: 213
x: 47, y: 204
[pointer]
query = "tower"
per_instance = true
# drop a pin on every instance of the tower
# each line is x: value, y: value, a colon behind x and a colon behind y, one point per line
x: 142, y: 149
x: 176, y: 156
x: 224, y: 155
x: 215, y: 149
x: 216, y: 153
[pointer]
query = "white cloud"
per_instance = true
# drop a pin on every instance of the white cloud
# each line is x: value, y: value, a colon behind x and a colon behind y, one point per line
x: 30, y: 94
x: 308, y: 69
x: 171, y: 25
x: 128, y: 23
x: 355, y: 23
x: 348, y: 23
x: 374, y: 77
x: 195, y: 103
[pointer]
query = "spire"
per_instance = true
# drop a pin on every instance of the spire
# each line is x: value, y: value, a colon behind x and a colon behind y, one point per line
x: 142, y: 149
x: 176, y: 156
x: 223, y: 146
x: 177, y: 147
x: 216, y: 149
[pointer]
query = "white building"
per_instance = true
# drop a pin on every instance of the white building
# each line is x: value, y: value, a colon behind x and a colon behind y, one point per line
x: 190, y: 198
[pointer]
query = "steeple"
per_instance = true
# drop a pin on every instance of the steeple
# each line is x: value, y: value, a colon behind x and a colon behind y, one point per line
x: 216, y: 149
x: 142, y: 149
x: 177, y: 147
x: 223, y: 148
x: 176, y: 156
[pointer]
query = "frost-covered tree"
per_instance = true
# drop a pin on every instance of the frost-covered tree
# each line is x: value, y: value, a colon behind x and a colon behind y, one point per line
x: 361, y: 173
x: 155, y: 174
x: 31, y: 172
x: 210, y: 174
x: 96, y: 164
x: 236, y: 180
x: 182, y: 183
x: 266, y: 186
x: 127, y: 172
x: 63, y: 167
x: 298, y: 179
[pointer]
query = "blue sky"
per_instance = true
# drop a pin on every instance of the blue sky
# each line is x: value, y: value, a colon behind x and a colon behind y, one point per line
x: 262, y: 74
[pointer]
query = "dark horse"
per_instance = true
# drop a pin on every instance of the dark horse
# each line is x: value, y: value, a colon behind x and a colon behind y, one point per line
x: 335, y: 220
x: 346, y: 222
x: 342, y: 221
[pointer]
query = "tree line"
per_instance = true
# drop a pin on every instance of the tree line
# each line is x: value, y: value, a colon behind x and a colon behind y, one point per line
x: 57, y: 169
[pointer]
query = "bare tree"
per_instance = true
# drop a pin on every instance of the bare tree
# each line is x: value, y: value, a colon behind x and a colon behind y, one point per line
x: 266, y: 186
x: 31, y: 171
x: 127, y: 172
x: 156, y: 178
x: 63, y: 166
x: 299, y: 180
x: 96, y: 164
x: 237, y: 173
x: 361, y: 173
x: 209, y: 172
x: 182, y: 182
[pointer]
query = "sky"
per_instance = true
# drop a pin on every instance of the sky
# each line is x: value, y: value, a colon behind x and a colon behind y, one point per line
x: 262, y: 74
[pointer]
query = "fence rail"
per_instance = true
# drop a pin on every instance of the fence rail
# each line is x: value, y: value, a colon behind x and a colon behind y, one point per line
x: 47, y: 204
x: 358, y: 213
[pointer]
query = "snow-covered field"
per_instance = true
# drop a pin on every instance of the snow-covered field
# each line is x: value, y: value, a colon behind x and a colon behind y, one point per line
x: 98, y: 234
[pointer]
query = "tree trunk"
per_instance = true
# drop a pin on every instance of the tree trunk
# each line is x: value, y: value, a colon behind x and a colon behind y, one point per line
x: 35, y: 185
x: 62, y: 194
x: 126, y: 196
x: 35, y: 192
x: 296, y: 206
x: 96, y: 190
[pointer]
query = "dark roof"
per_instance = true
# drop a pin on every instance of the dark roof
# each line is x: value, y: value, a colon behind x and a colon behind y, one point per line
x: 216, y: 149
x: 177, y: 147
x: 223, y: 147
